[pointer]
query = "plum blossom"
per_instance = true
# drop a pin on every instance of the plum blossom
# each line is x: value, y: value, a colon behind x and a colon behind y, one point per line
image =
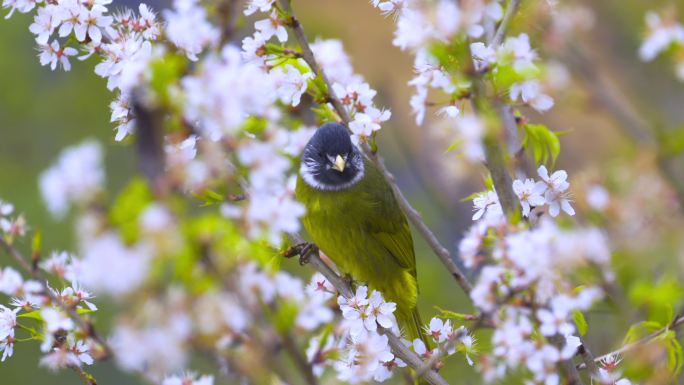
x: 44, y: 23
x: 188, y: 28
x: 365, y: 124
x: 270, y: 27
x: 379, y: 312
x: 530, y: 92
x: 556, y: 195
x: 91, y: 23
x: 77, y: 176
x: 290, y: 83
x: 529, y: 194
x: 334, y: 61
x: 518, y: 48
x: 486, y: 203
x: 661, y: 34
x: 482, y: 55
x: 258, y: 5
x: 109, y: 266
x: 597, y: 197
x: 52, y: 54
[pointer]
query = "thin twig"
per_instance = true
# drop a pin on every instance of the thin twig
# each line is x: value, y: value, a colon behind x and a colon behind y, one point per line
x: 643, y: 341
x: 300, y: 360
x: 588, y: 358
x: 228, y: 10
x: 567, y: 367
x: 85, y: 376
x: 36, y: 274
x: 511, y: 9
x: 441, y: 350
x: 343, y: 287
x: 412, y: 214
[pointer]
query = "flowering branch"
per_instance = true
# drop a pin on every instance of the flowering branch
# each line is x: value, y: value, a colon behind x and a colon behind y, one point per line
x: 84, y: 325
x: 413, y: 215
x: 588, y: 358
x: 511, y: 9
x: 312, y: 257
x: 678, y: 321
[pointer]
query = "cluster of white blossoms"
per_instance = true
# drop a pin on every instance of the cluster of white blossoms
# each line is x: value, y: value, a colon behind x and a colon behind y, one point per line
x: 63, y: 342
x: 526, y: 287
x: 550, y: 191
x: 121, y: 41
x: 663, y: 33
x: 76, y: 178
x: 291, y: 81
x: 422, y: 25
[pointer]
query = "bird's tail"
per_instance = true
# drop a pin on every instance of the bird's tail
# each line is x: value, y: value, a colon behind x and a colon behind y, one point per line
x: 415, y: 328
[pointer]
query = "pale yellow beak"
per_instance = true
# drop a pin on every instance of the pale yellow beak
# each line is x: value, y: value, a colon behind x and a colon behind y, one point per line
x: 339, y: 163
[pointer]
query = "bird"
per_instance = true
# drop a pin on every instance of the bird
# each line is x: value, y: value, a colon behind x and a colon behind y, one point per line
x: 353, y: 216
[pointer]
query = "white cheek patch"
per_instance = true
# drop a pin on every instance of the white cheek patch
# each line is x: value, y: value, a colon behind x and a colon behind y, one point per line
x: 308, y: 168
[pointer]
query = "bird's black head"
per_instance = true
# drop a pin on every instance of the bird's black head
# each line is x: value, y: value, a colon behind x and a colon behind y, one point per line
x: 330, y: 160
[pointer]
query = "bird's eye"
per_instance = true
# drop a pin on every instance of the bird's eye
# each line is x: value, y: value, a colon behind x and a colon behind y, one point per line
x: 320, y: 154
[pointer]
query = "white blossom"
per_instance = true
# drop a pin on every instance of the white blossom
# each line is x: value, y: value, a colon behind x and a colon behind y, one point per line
x: 529, y: 194
x: 76, y: 177
x: 188, y: 28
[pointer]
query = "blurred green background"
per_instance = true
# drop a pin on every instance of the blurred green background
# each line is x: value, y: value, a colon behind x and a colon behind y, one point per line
x: 41, y: 112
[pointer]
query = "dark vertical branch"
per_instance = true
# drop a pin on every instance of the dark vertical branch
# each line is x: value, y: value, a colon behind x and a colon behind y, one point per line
x: 150, y: 143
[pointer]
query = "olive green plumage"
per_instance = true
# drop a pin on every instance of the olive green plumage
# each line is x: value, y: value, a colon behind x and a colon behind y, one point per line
x: 364, y: 231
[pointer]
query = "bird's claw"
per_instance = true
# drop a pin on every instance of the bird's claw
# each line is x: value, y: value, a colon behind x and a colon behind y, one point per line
x: 306, y: 251
x: 303, y: 249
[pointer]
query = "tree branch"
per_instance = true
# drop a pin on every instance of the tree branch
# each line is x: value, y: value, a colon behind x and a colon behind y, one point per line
x: 589, y: 360
x: 567, y: 367
x: 398, y: 348
x: 36, y: 274
x: 645, y: 340
x: 412, y: 214
x: 511, y: 9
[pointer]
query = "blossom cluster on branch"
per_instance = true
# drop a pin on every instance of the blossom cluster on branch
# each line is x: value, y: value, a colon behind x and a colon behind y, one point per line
x: 190, y: 256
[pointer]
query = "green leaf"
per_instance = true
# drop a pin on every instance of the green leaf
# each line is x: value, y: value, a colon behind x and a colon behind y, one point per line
x: 453, y: 146
x: 453, y: 315
x: 209, y: 197
x: 640, y: 330
x: 541, y: 142
x: 675, y: 355
x: 580, y: 322
x: 36, y: 242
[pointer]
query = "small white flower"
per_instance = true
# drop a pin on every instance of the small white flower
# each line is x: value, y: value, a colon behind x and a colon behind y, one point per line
x: 529, y: 194
x: 380, y: 311
x: 555, y: 195
x: 290, y: 83
x: 258, y: 5
x: 272, y: 26
x: 440, y: 330
x: 598, y: 197
x: 53, y: 55
x: 486, y: 202
x: 56, y: 320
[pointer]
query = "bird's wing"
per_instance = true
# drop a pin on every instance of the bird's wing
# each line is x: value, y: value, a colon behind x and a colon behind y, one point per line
x: 388, y: 224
